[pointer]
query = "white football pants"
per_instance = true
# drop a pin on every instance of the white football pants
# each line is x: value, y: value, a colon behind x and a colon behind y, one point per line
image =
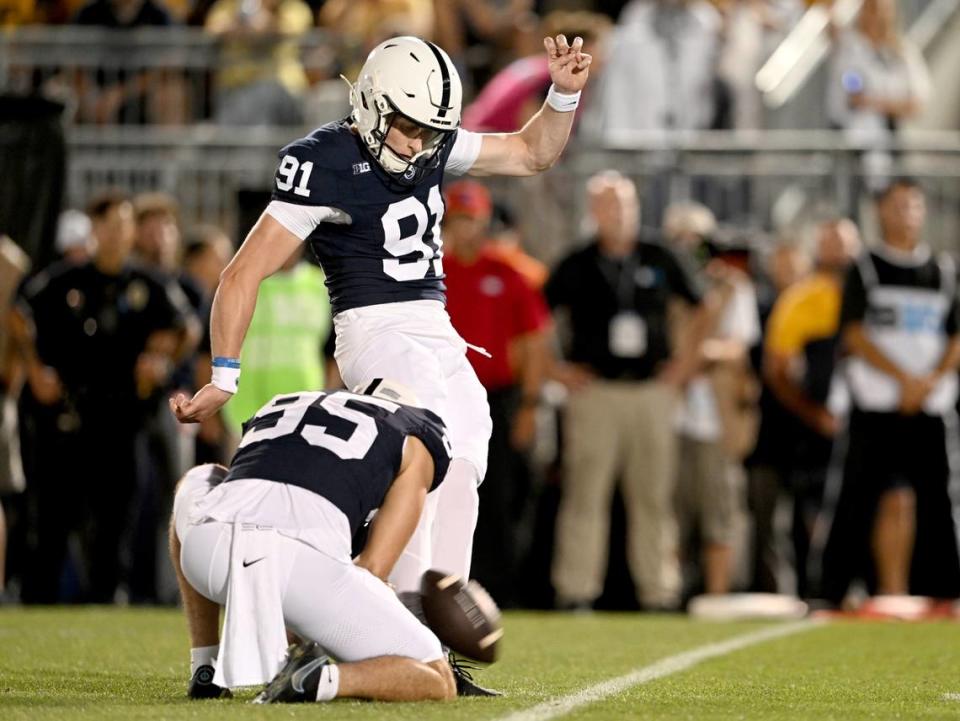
x: 346, y: 609
x: 415, y: 344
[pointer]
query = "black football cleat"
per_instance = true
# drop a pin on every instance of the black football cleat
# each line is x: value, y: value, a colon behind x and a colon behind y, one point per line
x: 299, y: 678
x: 202, y: 685
x: 466, y: 686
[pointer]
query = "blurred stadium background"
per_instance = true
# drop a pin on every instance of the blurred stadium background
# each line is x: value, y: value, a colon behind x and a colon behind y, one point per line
x: 748, y: 117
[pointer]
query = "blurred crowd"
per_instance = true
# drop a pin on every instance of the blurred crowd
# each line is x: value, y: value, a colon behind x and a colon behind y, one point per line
x: 96, y: 343
x: 681, y: 403
x: 687, y: 410
x: 659, y: 64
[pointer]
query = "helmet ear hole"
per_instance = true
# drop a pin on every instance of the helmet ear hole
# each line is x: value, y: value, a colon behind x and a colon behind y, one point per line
x: 363, y: 101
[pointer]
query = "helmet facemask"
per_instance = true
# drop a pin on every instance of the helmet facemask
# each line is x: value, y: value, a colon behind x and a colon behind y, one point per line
x: 407, y: 171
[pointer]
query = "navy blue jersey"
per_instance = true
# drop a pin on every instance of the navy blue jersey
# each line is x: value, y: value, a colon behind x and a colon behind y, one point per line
x: 342, y: 446
x: 383, y: 245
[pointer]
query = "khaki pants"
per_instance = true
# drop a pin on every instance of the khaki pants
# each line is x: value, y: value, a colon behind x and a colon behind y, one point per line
x: 618, y: 430
x: 709, y: 491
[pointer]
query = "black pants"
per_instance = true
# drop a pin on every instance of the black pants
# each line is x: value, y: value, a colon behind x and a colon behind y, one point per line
x: 503, y: 497
x: 888, y: 451
x: 156, y: 477
x: 766, y: 484
x: 80, y: 480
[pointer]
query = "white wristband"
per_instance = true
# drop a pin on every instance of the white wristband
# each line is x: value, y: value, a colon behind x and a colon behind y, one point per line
x: 562, y: 102
x: 226, y: 379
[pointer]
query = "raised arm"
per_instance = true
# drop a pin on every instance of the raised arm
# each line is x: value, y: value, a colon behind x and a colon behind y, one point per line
x: 264, y: 251
x: 539, y: 143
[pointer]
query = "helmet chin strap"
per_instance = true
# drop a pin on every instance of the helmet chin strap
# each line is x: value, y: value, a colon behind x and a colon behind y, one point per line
x: 391, y: 160
x: 388, y: 158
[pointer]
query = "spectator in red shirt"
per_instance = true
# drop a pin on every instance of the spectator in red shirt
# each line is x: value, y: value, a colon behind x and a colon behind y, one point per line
x: 506, y: 245
x: 492, y: 306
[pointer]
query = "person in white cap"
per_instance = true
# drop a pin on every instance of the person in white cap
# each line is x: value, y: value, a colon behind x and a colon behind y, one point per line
x: 74, y: 237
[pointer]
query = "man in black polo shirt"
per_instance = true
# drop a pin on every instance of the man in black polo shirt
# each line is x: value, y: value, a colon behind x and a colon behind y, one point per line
x: 619, y: 421
x: 899, y: 322
x: 106, y: 336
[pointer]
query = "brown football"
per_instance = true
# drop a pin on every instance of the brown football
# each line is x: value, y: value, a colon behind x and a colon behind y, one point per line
x: 462, y: 614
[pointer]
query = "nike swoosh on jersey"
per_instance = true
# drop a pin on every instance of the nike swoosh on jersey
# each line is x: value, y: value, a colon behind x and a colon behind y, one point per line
x: 296, y: 680
x: 250, y: 563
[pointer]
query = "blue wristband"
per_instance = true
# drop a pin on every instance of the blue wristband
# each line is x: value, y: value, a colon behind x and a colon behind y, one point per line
x: 224, y: 362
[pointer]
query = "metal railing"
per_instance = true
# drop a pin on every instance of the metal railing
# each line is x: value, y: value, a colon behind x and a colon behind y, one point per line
x: 761, y: 180
x: 205, y: 168
x: 165, y: 76
x: 805, y: 49
x: 171, y: 75
x: 802, y: 51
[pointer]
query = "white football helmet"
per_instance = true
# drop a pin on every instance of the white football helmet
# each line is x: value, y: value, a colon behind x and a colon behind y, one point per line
x: 413, y: 78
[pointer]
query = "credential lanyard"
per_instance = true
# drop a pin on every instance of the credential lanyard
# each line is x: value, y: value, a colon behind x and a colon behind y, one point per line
x: 621, y: 279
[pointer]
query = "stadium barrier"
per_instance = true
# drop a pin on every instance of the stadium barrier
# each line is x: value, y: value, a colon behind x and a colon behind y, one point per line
x: 168, y: 78
x: 754, y: 180
x: 160, y: 76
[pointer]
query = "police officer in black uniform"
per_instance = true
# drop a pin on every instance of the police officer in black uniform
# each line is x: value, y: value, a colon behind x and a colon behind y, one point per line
x: 106, y: 336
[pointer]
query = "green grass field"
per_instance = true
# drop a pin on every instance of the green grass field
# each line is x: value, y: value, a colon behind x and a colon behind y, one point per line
x: 132, y: 664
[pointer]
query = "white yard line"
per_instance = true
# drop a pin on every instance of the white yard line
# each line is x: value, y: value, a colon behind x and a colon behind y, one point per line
x: 951, y: 697
x: 562, y: 705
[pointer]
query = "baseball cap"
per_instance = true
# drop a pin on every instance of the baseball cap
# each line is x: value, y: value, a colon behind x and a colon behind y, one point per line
x: 468, y: 197
x: 73, y: 230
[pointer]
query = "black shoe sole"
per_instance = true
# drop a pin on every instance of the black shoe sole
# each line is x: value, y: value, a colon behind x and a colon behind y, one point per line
x: 202, y: 686
x: 469, y: 688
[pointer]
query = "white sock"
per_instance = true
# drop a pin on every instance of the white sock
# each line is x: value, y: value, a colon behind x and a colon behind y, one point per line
x: 203, y: 656
x: 329, y: 682
x: 456, y: 519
